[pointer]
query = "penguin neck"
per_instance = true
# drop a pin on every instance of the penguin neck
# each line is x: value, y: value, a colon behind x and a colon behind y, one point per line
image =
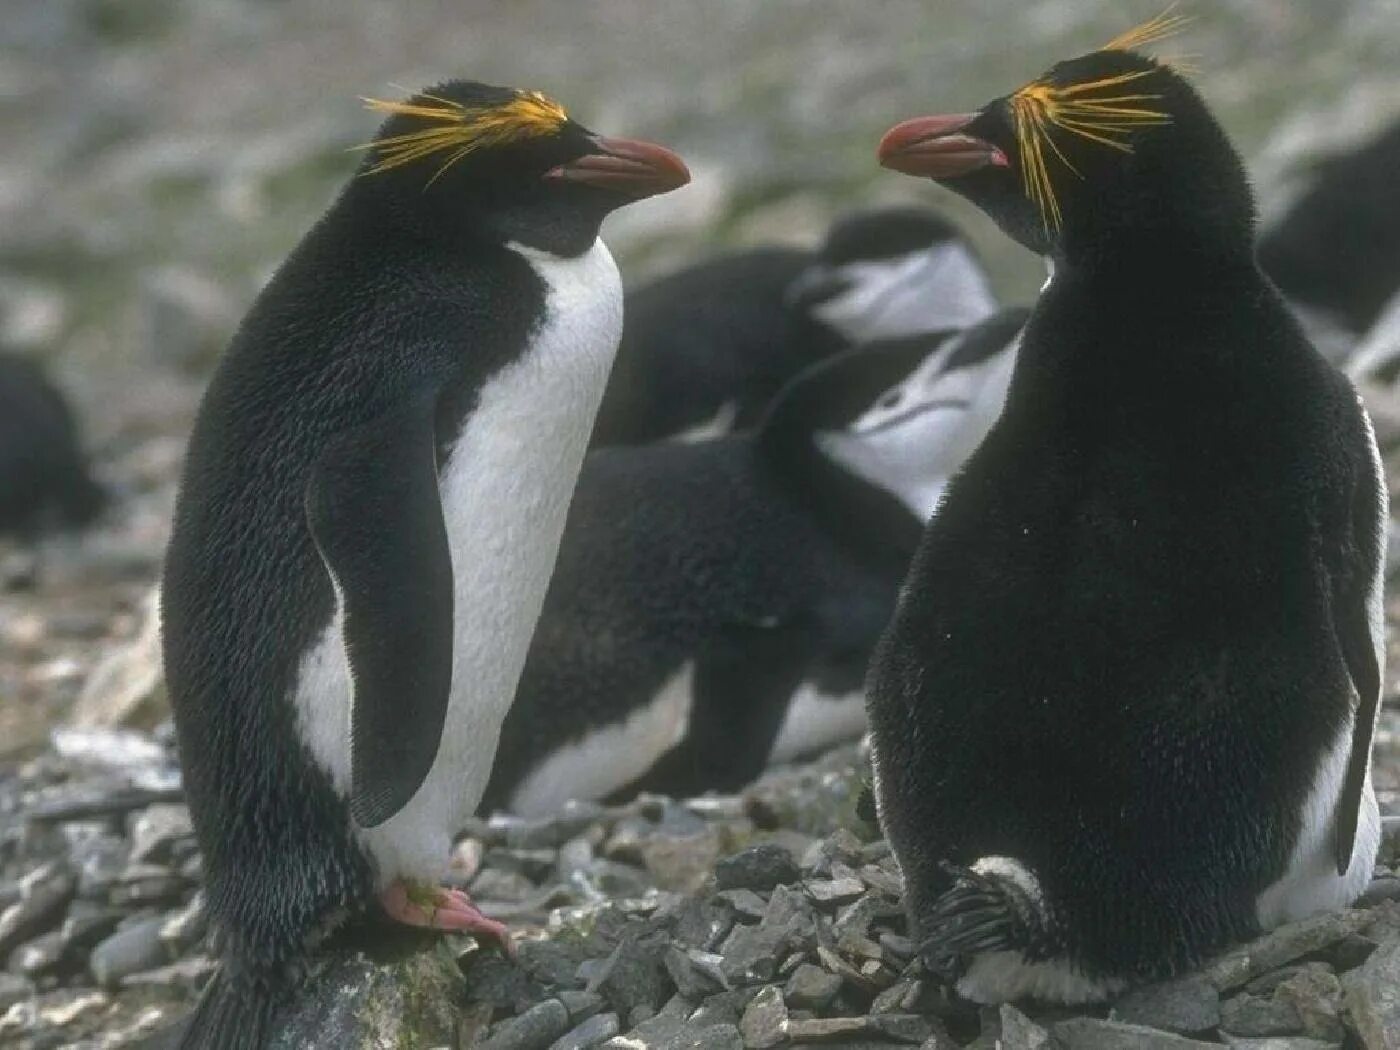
x: 870, y: 523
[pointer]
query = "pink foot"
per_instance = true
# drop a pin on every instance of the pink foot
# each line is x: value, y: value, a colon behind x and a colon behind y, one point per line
x: 442, y: 908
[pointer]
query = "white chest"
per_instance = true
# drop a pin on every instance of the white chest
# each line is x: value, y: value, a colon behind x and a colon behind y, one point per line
x: 505, y: 487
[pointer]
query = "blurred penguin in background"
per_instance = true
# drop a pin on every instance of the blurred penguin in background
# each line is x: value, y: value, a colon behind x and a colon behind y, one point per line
x: 705, y: 349
x: 715, y: 603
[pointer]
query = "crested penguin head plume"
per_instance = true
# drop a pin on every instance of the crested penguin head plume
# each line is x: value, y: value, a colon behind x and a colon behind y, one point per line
x: 504, y: 163
x: 1101, y: 148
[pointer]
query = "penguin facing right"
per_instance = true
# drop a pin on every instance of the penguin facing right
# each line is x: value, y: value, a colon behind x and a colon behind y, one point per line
x: 705, y: 349
x: 44, y: 476
x: 368, y: 518
x: 715, y: 603
x: 1122, y: 716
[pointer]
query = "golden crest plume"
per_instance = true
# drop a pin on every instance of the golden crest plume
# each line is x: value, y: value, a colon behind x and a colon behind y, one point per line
x: 455, y: 130
x: 1105, y: 111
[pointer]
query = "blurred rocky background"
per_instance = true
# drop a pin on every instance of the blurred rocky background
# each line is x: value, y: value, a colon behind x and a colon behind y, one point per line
x: 160, y: 158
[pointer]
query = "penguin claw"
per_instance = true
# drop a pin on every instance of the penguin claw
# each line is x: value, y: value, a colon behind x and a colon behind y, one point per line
x: 443, y: 908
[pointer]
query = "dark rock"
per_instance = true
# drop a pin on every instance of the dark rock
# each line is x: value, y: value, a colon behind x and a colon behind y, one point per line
x: 811, y: 988
x: 1186, y: 1005
x: 581, y: 1004
x: 759, y: 867
x: 723, y: 1008
x: 1384, y: 888
x: 597, y: 1029
x: 99, y: 863
x: 132, y: 948
x: 712, y: 1037
x: 765, y: 1021
x: 1019, y: 1032
x: 1090, y: 1033
x: 633, y: 976
x: 108, y: 803
x: 44, y: 894
x: 1373, y: 999
x: 667, y: 1029
x: 535, y: 1029
x: 86, y: 925
x: 900, y: 1028
x: 700, y: 924
x: 147, y: 884
x: 499, y: 982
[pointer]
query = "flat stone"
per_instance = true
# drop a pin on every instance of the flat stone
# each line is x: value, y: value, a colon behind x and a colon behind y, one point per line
x: 1019, y: 1032
x: 1186, y: 1005
x: 827, y: 1029
x: 1247, y: 1014
x: 185, y: 927
x: 131, y: 949
x: 597, y: 1029
x: 1283, y: 945
x: 811, y: 988
x: 633, y: 976
x: 580, y: 1003
x: 1373, y: 999
x: 536, y: 1029
x: 745, y: 902
x: 87, y: 924
x: 156, y: 831
x: 835, y: 891
x: 764, y: 1023
x: 900, y: 1028
x: 1090, y: 1033
x: 723, y: 1008
x: 185, y: 974
x: 693, y: 981
x: 1281, y: 1042
x: 758, y: 867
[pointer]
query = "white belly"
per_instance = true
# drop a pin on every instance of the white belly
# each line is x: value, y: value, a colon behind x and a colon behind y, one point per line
x: 505, y: 488
x: 816, y: 720
x: 612, y: 756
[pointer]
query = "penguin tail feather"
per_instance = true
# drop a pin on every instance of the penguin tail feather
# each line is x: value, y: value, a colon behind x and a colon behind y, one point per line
x: 982, y: 911
x: 231, y: 1014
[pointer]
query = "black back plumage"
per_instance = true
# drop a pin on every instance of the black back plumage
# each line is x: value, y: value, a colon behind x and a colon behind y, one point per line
x: 1135, y: 625
x: 1337, y: 248
x: 43, y: 473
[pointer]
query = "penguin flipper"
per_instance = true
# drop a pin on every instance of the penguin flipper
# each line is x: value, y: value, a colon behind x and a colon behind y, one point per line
x: 374, y: 510
x: 1359, y: 650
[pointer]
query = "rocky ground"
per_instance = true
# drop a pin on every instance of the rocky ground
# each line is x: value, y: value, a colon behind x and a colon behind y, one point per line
x: 765, y: 920
x: 160, y: 159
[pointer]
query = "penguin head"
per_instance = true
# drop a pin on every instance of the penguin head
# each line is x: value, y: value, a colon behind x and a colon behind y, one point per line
x: 915, y: 434
x: 893, y: 272
x: 1108, y: 149
x: 466, y: 158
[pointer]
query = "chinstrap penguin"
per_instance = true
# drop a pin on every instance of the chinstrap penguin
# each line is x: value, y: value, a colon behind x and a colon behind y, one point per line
x: 1122, y: 715
x: 705, y: 349
x: 715, y: 604
x: 44, y: 477
x: 368, y: 517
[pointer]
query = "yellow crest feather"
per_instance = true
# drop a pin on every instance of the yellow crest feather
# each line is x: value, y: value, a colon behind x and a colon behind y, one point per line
x: 456, y: 130
x: 1105, y: 111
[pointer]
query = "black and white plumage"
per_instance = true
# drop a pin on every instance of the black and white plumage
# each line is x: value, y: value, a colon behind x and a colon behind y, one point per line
x: 715, y: 604
x: 1336, y: 250
x: 369, y: 514
x: 705, y: 349
x: 44, y: 477
x: 1123, y: 713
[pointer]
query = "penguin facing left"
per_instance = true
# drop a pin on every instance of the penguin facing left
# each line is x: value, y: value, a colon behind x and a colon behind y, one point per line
x: 1122, y: 716
x: 368, y: 517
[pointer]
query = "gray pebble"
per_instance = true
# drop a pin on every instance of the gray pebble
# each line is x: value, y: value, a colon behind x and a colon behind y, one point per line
x: 759, y: 867
x: 131, y: 949
x: 1247, y: 1014
x: 1186, y: 1005
x: 1090, y: 1033
x: 764, y: 1023
x: 1373, y: 998
x: 597, y: 1029
x: 44, y: 894
x: 156, y: 831
x: 1019, y: 1032
x: 536, y: 1029
x: 14, y: 989
x: 40, y: 956
x: 811, y: 988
